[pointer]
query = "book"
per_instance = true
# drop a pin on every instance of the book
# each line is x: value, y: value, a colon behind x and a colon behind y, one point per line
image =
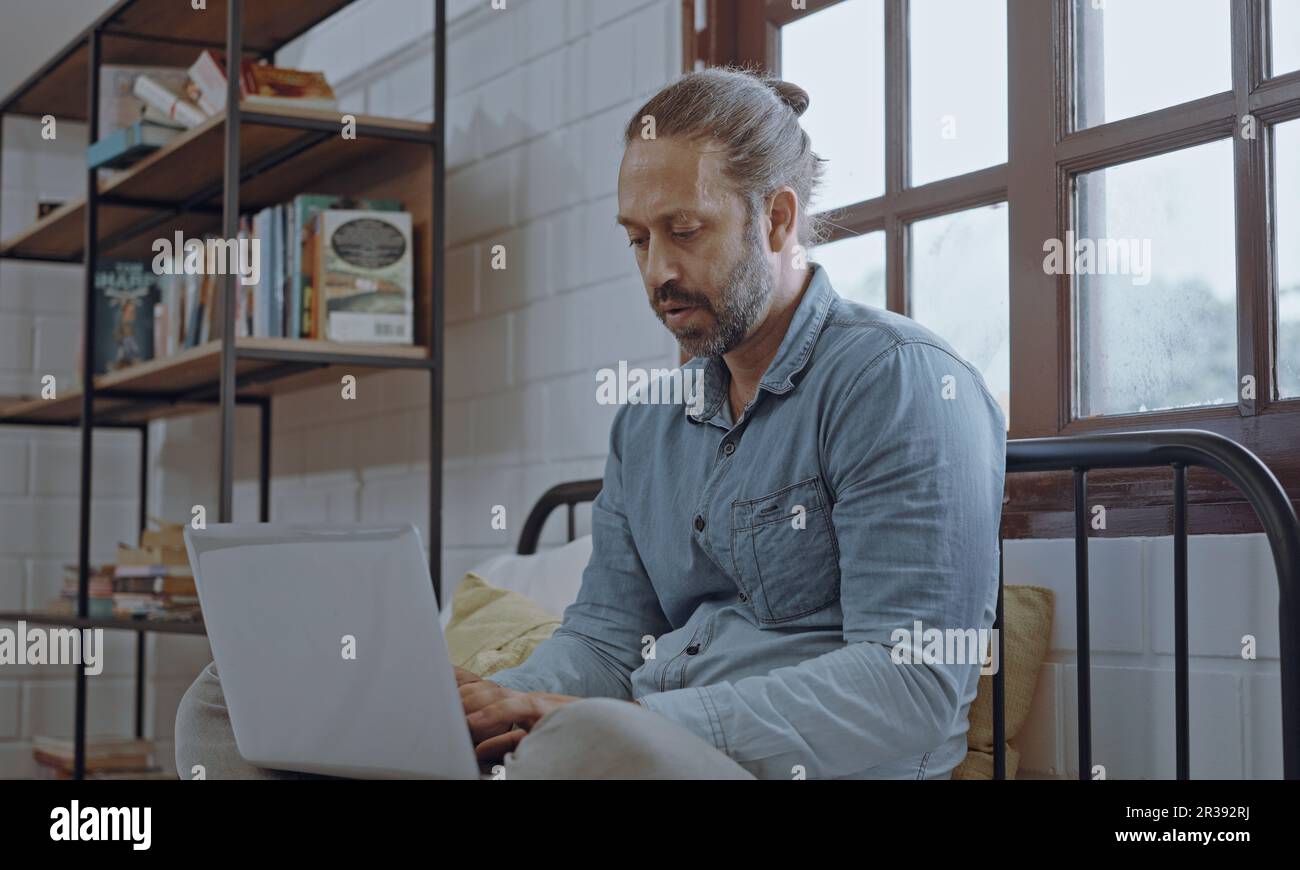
x: 128, y: 145
x: 162, y: 98
x: 362, y: 275
x: 192, y: 314
x: 167, y: 585
x: 165, y: 535
x: 119, y: 105
x: 208, y: 82
x: 298, y: 288
x: 260, y: 84
x: 126, y: 292
x: 266, y: 85
x: 102, y: 753
x: 168, y: 332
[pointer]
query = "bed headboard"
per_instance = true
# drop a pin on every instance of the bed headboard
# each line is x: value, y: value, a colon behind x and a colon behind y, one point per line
x: 568, y: 494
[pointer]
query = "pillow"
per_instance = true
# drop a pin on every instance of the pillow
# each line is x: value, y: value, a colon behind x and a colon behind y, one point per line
x: 550, y: 578
x: 493, y: 629
x: 1026, y: 632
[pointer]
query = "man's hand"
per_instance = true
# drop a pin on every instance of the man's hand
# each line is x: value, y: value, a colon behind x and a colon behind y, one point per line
x: 499, y: 718
x: 496, y: 715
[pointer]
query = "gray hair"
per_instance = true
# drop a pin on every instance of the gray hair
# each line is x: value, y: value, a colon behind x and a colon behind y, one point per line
x: 756, y: 120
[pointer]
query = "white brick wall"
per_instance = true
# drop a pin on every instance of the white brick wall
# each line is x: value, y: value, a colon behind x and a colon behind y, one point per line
x: 1235, y: 704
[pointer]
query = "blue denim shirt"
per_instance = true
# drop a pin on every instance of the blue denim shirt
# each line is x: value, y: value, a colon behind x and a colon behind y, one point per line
x: 747, y: 576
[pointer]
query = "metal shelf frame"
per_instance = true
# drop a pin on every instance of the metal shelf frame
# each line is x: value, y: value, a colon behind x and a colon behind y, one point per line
x: 226, y: 396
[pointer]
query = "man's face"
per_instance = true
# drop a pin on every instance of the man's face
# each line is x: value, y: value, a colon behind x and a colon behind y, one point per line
x: 704, y: 262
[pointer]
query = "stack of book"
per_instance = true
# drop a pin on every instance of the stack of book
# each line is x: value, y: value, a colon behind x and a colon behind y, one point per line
x: 260, y: 85
x: 152, y: 581
x: 106, y: 758
x: 99, y: 593
x: 143, y: 108
x: 335, y: 268
x: 358, y: 251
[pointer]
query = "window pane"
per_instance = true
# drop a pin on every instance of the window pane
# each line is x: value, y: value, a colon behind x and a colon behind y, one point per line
x: 958, y: 285
x: 959, y: 86
x: 838, y: 57
x: 1286, y: 147
x: 1136, y: 56
x: 856, y: 267
x: 1286, y: 35
x: 1153, y: 266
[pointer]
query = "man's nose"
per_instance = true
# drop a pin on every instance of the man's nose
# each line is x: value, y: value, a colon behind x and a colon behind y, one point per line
x: 660, y: 266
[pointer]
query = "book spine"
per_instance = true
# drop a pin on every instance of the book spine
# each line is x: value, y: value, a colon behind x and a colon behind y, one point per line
x: 159, y: 329
x: 261, y: 233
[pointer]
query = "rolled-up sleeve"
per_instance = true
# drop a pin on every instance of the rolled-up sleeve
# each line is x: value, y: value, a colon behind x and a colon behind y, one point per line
x: 914, y: 451
x: 598, y: 644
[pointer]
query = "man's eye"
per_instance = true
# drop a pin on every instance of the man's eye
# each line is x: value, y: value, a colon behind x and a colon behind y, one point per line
x: 635, y: 243
x: 684, y: 234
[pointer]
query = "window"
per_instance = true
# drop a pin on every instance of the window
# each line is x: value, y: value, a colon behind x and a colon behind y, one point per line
x: 1152, y: 146
x: 1131, y: 57
x: 1155, y: 285
x: 847, y: 117
x: 1285, y: 31
x: 958, y: 268
x: 857, y: 265
x: 958, y: 73
x: 1286, y: 148
x: 930, y: 170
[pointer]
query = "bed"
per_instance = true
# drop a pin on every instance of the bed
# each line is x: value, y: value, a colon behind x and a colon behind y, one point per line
x: 1177, y: 449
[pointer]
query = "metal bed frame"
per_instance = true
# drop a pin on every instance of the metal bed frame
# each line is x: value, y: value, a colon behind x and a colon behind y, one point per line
x: 1176, y: 448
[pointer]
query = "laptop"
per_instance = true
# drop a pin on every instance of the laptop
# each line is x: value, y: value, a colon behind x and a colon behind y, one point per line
x: 329, y: 649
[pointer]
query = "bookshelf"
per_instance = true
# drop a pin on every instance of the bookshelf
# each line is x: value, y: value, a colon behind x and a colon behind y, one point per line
x: 236, y: 162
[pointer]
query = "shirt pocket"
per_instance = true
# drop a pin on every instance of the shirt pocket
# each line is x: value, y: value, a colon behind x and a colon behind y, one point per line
x: 785, y: 552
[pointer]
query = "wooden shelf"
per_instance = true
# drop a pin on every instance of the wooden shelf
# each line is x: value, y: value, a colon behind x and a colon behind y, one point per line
x: 179, y: 187
x: 188, y: 381
x: 135, y: 32
x: 156, y: 625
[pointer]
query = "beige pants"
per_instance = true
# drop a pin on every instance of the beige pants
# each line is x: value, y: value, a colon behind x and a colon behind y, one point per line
x: 595, y: 738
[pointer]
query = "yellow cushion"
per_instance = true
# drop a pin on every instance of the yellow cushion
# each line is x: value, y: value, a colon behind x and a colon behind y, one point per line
x: 493, y: 629
x: 1026, y: 633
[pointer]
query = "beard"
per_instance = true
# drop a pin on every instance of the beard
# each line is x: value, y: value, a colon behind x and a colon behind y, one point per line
x: 743, y: 302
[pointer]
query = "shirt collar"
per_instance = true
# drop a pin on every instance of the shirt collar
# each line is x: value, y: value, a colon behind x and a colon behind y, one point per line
x: 791, y: 357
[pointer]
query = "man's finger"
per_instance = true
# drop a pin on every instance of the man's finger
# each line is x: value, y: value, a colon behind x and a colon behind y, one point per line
x: 463, y: 676
x: 495, y: 748
x: 477, y: 695
x: 499, y: 716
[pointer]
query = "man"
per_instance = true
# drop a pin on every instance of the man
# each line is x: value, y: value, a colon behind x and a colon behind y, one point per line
x: 843, y: 480
x: 754, y: 557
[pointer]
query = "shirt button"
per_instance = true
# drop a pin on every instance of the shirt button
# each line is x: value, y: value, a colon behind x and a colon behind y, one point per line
x: 699, y: 523
x: 729, y: 448
x: 692, y: 649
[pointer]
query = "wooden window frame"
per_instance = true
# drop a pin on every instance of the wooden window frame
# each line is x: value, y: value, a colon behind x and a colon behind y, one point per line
x: 1044, y: 155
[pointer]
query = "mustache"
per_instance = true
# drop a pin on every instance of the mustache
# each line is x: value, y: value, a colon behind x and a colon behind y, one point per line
x: 680, y: 296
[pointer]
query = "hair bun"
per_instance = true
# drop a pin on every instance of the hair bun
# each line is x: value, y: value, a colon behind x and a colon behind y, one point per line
x: 792, y: 95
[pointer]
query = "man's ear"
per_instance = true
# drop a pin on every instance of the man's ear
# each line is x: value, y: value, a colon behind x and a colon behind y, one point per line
x: 783, y: 219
